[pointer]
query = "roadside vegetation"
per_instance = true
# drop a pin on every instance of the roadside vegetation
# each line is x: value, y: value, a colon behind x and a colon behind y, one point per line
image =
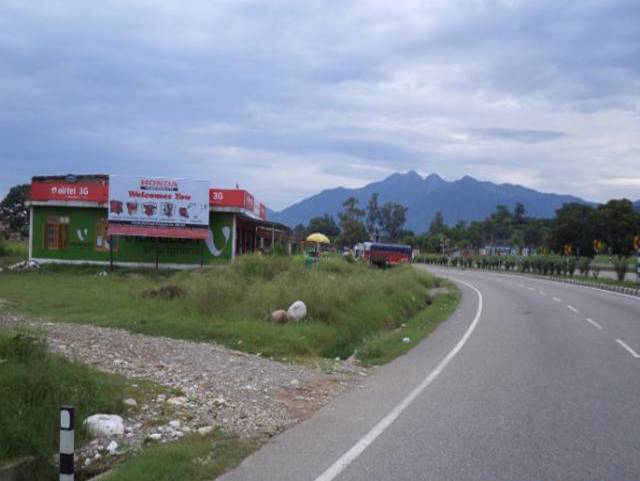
x: 348, y: 303
x: 33, y: 385
x: 195, y: 458
x: 580, y: 268
x: 12, y: 252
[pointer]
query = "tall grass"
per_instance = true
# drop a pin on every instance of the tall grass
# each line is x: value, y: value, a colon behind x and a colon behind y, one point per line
x: 346, y: 302
x: 33, y: 386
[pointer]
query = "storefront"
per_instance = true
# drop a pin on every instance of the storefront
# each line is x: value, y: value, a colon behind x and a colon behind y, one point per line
x: 72, y: 222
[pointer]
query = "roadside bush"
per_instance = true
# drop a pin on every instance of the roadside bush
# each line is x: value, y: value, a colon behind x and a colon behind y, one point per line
x: 33, y: 386
x: 584, y: 266
x: 621, y: 266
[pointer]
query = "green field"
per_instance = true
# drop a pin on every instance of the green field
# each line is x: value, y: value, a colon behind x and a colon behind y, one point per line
x: 350, y: 306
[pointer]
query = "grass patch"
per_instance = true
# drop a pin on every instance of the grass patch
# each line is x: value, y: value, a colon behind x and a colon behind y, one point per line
x: 382, y: 348
x: 12, y: 252
x: 347, y: 303
x: 33, y: 386
x: 196, y: 458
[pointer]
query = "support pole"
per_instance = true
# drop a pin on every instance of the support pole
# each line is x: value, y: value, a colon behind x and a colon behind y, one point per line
x: 157, y: 255
x: 111, y: 252
x: 66, y: 443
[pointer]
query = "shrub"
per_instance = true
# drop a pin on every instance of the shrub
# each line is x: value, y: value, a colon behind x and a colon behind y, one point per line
x: 620, y: 265
x: 33, y: 386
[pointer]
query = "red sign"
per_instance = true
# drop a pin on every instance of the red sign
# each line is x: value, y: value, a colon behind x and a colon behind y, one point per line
x: 226, y: 197
x: 87, y: 192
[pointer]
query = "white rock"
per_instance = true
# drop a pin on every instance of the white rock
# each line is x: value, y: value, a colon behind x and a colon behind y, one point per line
x: 406, y: 340
x: 178, y: 400
x: 161, y: 398
x: 294, y: 382
x: 87, y: 461
x: 105, y: 425
x: 155, y: 436
x: 112, y: 448
x: 175, y: 424
x: 179, y: 434
x: 297, y: 311
x: 97, y: 456
x: 130, y: 402
x: 205, y: 430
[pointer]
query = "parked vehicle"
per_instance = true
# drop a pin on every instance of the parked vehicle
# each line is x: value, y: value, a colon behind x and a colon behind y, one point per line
x: 384, y: 255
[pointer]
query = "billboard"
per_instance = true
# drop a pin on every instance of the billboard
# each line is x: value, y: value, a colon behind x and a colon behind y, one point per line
x: 158, y: 207
x: 66, y: 191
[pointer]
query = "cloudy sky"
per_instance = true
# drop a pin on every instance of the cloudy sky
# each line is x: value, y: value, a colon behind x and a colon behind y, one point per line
x: 290, y: 97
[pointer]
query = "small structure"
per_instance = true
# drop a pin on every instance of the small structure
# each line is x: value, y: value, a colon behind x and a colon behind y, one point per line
x: 70, y: 222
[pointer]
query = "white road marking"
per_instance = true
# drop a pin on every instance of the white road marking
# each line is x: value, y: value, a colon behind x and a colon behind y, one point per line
x: 594, y: 323
x: 531, y: 288
x: 542, y: 293
x: 571, y: 308
x: 631, y: 351
x: 557, y: 299
x: 357, y: 449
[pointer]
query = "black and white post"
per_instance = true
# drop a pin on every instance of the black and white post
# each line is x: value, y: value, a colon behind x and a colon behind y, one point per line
x: 66, y: 443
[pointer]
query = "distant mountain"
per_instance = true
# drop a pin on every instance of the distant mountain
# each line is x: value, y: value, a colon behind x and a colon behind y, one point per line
x: 465, y: 199
x: 636, y: 204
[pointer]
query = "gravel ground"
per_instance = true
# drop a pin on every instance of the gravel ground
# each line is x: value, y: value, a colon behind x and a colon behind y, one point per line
x: 238, y: 392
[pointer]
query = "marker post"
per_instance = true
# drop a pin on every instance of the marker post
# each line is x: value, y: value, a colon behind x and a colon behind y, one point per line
x: 66, y: 443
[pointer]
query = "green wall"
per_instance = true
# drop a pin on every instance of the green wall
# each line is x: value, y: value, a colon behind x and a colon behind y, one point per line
x: 82, y: 240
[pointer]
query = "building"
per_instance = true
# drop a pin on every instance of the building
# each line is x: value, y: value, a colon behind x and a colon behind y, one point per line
x: 70, y: 223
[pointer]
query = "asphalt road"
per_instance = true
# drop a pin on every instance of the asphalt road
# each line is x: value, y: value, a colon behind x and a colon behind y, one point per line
x: 528, y: 380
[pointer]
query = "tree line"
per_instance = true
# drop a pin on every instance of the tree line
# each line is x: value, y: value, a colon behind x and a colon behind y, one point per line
x: 576, y: 229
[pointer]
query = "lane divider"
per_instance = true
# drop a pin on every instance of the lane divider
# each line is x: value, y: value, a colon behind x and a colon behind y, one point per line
x: 571, y: 308
x: 557, y: 299
x: 357, y: 449
x: 594, y: 323
x: 631, y: 351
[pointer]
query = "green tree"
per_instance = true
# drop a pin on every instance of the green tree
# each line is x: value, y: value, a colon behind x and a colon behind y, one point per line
x: 519, y: 213
x: 573, y: 225
x: 352, y: 229
x: 300, y: 229
x: 437, y: 225
x: 325, y: 224
x: 392, y: 219
x: 616, y: 224
x: 14, y: 212
x: 373, y: 216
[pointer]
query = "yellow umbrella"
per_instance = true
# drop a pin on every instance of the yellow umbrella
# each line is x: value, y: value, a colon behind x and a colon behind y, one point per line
x: 318, y: 238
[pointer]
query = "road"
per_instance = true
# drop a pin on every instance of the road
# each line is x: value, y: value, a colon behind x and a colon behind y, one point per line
x: 529, y: 379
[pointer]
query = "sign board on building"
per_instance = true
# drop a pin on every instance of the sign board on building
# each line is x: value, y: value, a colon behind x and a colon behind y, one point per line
x: 65, y: 191
x: 158, y: 207
x: 239, y: 199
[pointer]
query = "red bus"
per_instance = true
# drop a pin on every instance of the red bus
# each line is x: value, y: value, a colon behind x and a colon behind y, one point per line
x: 384, y: 255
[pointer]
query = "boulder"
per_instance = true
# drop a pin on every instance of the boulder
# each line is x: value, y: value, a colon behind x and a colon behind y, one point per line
x: 297, y: 311
x: 104, y: 425
x: 130, y: 402
x: 279, y: 317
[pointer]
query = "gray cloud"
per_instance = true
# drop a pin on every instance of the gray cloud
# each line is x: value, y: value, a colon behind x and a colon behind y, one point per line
x: 271, y: 94
x: 526, y: 136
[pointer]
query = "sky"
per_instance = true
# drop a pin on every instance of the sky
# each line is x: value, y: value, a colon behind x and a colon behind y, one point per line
x: 287, y: 98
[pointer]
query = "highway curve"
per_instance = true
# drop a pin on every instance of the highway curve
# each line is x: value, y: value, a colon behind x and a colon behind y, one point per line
x: 529, y: 379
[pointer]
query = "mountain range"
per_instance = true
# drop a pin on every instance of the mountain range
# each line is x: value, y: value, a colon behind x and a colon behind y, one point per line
x: 465, y: 199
